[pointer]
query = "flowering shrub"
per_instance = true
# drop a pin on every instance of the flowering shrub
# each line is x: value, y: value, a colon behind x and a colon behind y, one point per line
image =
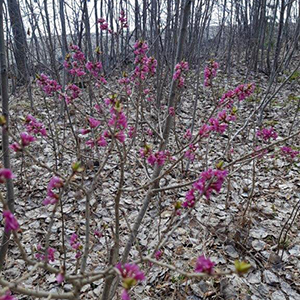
x: 109, y: 138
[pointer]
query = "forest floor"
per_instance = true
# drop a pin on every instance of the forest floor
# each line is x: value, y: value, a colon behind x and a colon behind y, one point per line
x: 223, y: 234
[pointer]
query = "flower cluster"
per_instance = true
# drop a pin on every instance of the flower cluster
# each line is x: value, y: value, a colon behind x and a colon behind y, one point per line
x: 5, y: 174
x: 204, y: 265
x: 94, y: 68
x: 172, y: 111
x: 26, y: 140
x: 103, y: 24
x: 33, y: 126
x: 74, y: 62
x: 76, y: 245
x: 130, y: 275
x: 241, y: 92
x: 72, y: 93
x: 267, y: 134
x: 126, y: 82
x: 123, y: 19
x: 144, y: 65
x: 158, y: 157
x: 180, y: 69
x: 11, y: 222
x: 216, y: 126
x: 190, y: 153
x: 52, y: 197
x: 210, y: 72
x: 289, y: 152
x: 42, y: 257
x: 49, y: 86
x: 7, y: 296
x: 209, y: 181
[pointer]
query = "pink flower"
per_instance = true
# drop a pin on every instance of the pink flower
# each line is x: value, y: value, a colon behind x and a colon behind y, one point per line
x: 216, y: 126
x: 204, y: 265
x: 190, y: 199
x: 210, y: 72
x: 101, y: 20
x: 5, y: 174
x: 178, y: 75
x: 15, y: 147
x: 172, y: 111
x: 76, y: 245
x: 190, y: 153
x: 33, y: 126
x: 60, y: 278
x: 104, y: 26
x: 90, y: 143
x: 209, y: 181
x: 48, y: 85
x: 244, y: 90
x: 204, y: 130
x: 287, y: 151
x: 151, y: 159
x: 130, y: 275
x: 52, y: 197
x: 11, y: 222
x: 102, y: 141
x: 7, y: 296
x: 51, y: 252
x: 55, y: 182
x: 267, y: 134
x: 84, y: 131
x: 130, y: 271
x: 158, y: 254
x: 94, y: 123
x: 188, y: 135
x: 125, y: 295
x: 120, y: 136
x: 26, y: 139
x: 131, y: 132
x: 42, y: 257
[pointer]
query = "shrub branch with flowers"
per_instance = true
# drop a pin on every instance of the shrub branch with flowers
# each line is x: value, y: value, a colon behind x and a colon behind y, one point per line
x: 110, y: 133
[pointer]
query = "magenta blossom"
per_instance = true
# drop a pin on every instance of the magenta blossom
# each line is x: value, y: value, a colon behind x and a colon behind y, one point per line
x: 216, y: 126
x: 52, y: 197
x: 172, y: 111
x: 287, y: 152
x: 209, y: 181
x: 210, y: 72
x: 7, y: 296
x: 33, y: 126
x: 11, y: 222
x: 158, y: 254
x: 204, y: 130
x: 76, y: 245
x: 60, y: 278
x: 42, y: 257
x: 5, y: 174
x: 204, y: 265
x: 190, y: 199
x: 94, y: 123
x: 130, y: 275
x: 180, y: 69
x: 26, y: 139
x: 267, y: 134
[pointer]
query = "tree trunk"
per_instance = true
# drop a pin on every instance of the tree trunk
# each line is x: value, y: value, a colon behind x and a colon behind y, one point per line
x: 20, y: 44
x: 5, y: 141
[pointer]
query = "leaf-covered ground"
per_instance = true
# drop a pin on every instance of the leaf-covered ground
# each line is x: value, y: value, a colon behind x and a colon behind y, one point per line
x: 222, y: 233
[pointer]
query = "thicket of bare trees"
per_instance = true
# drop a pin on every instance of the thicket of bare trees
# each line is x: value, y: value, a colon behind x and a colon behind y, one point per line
x: 98, y: 39
x: 263, y: 35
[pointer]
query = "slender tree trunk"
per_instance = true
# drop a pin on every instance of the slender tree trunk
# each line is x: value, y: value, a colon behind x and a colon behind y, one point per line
x: 20, y: 44
x: 5, y: 141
